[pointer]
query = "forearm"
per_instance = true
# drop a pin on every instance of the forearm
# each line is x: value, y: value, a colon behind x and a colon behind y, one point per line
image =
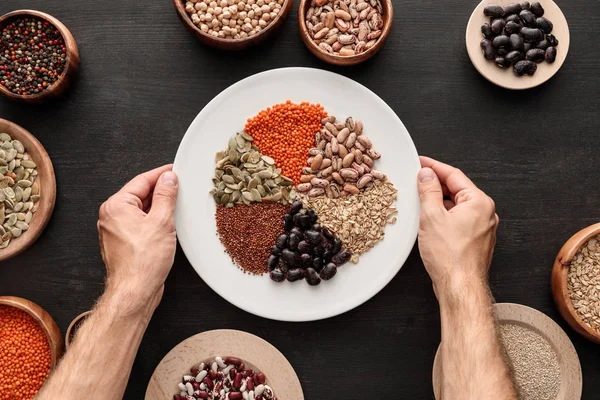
x: 473, y: 366
x: 99, y: 361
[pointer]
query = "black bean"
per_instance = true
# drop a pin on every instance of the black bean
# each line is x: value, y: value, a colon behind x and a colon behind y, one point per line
x: 297, y: 231
x: 525, y: 5
x: 537, y: 9
x: 516, y: 42
x: 550, y: 55
x: 304, y: 221
x: 305, y: 260
x: 295, y: 275
x: 293, y: 242
x: 296, y: 206
x: 531, y: 35
x: 544, y: 44
x: 501, y: 41
x: 525, y: 67
x: 513, y: 18
x: 536, y: 55
x: 316, y: 227
x: 275, y: 250
x: 342, y: 257
x: 313, y: 237
x: 312, y: 277
x: 502, y: 62
x: 317, y: 264
x: 514, y: 56
x: 527, y: 47
x: 498, y: 25
x: 512, y: 8
x: 512, y: 27
x: 297, y: 217
x: 501, y: 52
x: 528, y: 18
x: 282, y: 241
x: 328, y: 271
x: 493, y: 11
x: 304, y: 247
x: 552, y: 40
x: 313, y: 216
x: 544, y: 24
x: 487, y: 31
x: 277, y: 275
x: 288, y: 222
x: 272, y: 262
x: 318, y: 251
x: 328, y: 235
x: 336, y: 246
x: 290, y: 257
x: 327, y: 256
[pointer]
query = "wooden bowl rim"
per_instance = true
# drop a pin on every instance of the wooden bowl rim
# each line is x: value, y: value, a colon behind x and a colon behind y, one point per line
x: 561, y: 269
x: 47, y: 190
x: 184, y: 16
x: 70, y: 44
x: 44, y: 320
x: 347, y: 60
x: 78, y: 318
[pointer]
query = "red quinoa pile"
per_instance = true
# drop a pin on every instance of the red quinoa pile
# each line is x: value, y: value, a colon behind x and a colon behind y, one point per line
x: 248, y: 233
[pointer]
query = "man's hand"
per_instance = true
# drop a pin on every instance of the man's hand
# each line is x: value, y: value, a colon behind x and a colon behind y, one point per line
x: 457, y: 235
x: 137, y: 236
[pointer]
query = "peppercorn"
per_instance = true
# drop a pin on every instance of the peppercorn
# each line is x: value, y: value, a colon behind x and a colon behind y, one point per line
x: 24, y: 355
x: 33, y: 55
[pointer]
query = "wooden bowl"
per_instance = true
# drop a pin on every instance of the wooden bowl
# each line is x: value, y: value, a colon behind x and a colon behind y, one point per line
x: 505, y: 77
x: 252, y: 350
x: 73, y: 327
x: 44, y: 319
x: 47, y: 182
x: 65, y: 80
x: 560, y: 289
x: 388, y: 19
x: 571, y: 380
x: 234, y: 44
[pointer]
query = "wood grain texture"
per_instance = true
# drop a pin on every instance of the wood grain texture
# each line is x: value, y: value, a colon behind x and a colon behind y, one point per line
x: 71, y: 68
x: 55, y: 341
x: 560, y: 278
x: 46, y: 182
x: 144, y: 78
x: 388, y: 21
x: 516, y: 314
x: 254, y: 352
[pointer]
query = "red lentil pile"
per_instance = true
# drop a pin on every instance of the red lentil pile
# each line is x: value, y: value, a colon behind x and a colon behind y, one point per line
x: 24, y: 355
x: 286, y: 132
x: 248, y: 233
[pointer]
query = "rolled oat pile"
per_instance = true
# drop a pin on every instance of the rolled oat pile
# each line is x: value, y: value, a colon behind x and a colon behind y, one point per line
x: 358, y: 220
x: 584, y: 282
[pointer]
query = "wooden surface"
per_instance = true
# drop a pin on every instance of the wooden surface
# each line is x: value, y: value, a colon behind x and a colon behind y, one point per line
x: 388, y: 22
x: 560, y: 288
x: 516, y: 314
x: 41, y: 316
x: 46, y: 181
x: 505, y: 77
x: 271, y: 29
x: 254, y: 352
x: 71, y: 68
x: 144, y: 78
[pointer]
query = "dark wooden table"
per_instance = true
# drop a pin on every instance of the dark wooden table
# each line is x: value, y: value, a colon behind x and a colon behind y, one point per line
x: 144, y: 78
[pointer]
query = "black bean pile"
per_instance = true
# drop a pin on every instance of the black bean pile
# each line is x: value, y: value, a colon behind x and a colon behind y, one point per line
x: 518, y: 35
x: 306, y: 250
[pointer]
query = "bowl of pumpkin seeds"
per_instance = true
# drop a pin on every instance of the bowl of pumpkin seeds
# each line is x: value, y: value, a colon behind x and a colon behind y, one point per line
x: 27, y: 189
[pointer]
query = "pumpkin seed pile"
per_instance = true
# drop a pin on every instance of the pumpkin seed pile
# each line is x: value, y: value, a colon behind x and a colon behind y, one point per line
x: 243, y: 176
x: 19, y: 191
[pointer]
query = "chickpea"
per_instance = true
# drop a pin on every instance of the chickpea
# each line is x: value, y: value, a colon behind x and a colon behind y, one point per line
x: 262, y: 23
x: 242, y: 15
x: 251, y: 14
x: 254, y: 22
x: 241, y: 6
x: 266, y: 17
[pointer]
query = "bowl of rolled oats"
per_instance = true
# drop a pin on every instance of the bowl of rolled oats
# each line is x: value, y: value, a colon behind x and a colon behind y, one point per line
x: 576, y: 282
x: 27, y: 189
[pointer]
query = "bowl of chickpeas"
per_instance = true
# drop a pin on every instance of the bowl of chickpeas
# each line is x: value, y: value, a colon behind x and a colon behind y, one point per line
x: 233, y: 24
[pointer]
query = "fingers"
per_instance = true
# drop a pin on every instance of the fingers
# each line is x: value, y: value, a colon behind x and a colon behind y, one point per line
x: 430, y: 191
x: 448, y: 204
x: 141, y: 186
x: 164, y: 197
x: 451, y: 177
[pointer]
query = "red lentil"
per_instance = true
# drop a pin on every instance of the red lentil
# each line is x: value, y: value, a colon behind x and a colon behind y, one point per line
x: 286, y: 132
x: 24, y: 355
x: 248, y: 233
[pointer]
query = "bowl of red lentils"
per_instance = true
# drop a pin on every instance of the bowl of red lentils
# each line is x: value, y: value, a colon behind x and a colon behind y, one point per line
x: 30, y: 347
x: 233, y: 24
x: 38, y: 56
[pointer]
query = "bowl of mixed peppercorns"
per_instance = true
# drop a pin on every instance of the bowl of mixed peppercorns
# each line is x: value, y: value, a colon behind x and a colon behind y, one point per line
x: 38, y: 56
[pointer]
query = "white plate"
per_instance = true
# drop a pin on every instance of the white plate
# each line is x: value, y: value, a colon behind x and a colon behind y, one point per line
x: 225, y: 115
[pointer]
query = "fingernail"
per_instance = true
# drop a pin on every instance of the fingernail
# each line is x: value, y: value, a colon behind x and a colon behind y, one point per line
x: 426, y: 175
x: 169, y: 178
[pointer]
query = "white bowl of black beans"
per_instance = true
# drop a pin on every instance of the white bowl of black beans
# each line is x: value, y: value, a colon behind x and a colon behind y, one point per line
x: 517, y: 45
